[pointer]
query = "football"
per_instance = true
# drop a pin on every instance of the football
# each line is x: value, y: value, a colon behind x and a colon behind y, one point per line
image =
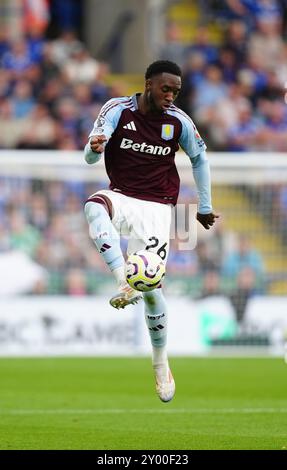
x: 144, y: 270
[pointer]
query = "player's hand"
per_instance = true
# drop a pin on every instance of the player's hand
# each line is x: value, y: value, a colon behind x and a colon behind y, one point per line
x: 97, y: 142
x: 207, y: 220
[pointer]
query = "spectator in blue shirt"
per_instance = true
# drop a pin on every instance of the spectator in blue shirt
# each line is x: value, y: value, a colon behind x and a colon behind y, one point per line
x: 243, y: 257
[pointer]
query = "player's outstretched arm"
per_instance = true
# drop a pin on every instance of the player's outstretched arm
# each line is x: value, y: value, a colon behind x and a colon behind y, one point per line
x: 201, y: 172
x: 207, y: 220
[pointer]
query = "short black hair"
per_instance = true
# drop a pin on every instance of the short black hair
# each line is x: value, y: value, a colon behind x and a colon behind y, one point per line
x: 162, y: 66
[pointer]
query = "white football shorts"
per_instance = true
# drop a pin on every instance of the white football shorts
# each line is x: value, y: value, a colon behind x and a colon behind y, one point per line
x: 146, y: 224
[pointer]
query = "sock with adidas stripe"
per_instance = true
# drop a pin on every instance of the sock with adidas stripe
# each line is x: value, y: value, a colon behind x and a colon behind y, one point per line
x: 156, y: 320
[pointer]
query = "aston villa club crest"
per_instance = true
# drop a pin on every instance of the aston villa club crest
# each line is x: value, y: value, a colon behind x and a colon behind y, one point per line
x: 167, y: 131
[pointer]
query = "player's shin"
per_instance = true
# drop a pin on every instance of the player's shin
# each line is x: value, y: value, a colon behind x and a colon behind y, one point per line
x: 106, y: 238
x: 156, y: 320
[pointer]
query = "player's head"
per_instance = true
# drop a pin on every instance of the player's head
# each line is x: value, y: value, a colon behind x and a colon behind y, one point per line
x: 163, y: 83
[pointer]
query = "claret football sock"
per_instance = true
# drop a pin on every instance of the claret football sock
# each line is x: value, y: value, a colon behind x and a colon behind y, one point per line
x: 104, y: 235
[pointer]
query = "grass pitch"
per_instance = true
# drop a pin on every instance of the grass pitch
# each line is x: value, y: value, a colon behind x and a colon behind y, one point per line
x: 110, y: 403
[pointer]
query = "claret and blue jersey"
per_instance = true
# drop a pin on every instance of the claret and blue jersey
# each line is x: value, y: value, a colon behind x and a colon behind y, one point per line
x: 140, y: 151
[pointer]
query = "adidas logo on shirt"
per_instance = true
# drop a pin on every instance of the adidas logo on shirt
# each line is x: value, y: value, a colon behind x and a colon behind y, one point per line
x: 131, y: 126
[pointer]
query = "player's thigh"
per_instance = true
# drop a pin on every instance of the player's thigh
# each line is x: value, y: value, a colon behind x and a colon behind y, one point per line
x: 150, y: 228
x: 112, y: 203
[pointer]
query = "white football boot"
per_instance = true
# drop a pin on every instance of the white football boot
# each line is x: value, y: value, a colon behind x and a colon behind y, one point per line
x: 165, y: 384
x: 126, y: 296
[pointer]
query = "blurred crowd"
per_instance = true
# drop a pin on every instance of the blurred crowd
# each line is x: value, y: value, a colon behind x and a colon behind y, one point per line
x: 50, y: 91
x: 235, y: 90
